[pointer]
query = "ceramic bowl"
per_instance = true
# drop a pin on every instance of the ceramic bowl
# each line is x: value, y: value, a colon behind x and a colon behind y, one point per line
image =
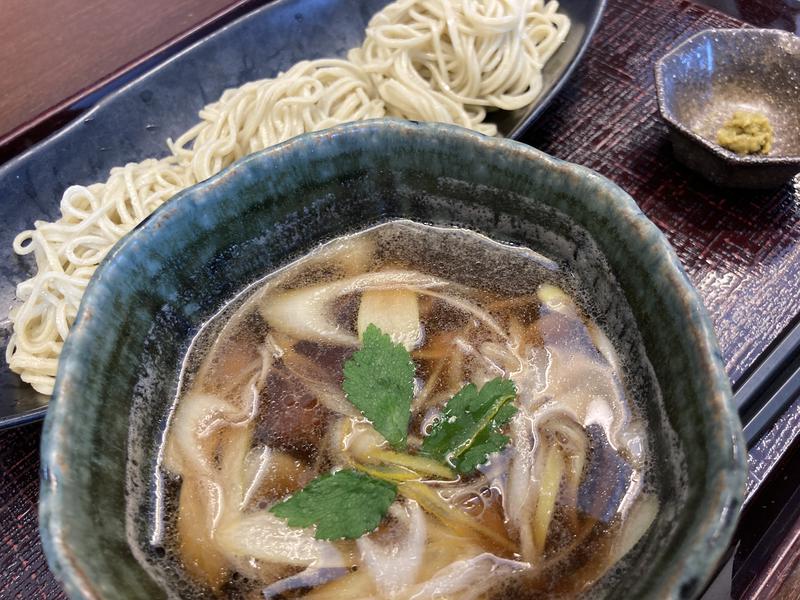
x: 118, y: 372
x: 705, y: 79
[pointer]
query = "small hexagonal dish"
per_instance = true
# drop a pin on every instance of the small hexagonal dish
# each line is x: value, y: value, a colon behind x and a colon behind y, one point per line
x: 704, y: 80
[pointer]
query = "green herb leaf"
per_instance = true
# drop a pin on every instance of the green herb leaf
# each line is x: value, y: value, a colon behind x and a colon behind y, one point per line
x: 346, y: 504
x: 379, y: 381
x: 467, y: 431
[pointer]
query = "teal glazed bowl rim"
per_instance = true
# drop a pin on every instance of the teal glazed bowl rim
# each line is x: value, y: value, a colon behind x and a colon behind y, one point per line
x: 688, y: 569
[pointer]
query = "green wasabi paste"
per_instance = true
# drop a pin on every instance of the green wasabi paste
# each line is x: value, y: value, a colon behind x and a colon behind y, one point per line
x: 746, y: 133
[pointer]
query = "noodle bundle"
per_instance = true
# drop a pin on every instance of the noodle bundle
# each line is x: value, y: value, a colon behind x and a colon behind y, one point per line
x: 448, y: 61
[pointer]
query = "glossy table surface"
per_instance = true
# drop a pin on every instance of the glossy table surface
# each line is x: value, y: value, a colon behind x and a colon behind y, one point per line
x: 773, y: 14
x: 741, y: 250
x: 52, y: 50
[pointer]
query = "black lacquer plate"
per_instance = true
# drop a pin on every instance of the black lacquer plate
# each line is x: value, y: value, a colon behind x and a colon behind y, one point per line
x: 133, y: 122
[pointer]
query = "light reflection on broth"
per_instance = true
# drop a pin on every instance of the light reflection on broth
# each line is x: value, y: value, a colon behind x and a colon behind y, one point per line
x: 262, y: 413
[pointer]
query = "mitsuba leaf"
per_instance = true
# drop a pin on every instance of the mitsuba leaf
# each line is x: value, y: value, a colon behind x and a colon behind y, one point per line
x: 345, y: 504
x: 379, y: 381
x: 468, y: 430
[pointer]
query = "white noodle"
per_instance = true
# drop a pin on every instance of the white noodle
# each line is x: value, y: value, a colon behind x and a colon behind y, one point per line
x: 434, y: 60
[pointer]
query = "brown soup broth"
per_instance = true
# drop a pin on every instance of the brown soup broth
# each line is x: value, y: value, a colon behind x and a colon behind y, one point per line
x: 261, y: 413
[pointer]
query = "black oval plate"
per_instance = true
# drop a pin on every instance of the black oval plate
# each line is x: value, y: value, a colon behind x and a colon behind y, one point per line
x: 132, y: 123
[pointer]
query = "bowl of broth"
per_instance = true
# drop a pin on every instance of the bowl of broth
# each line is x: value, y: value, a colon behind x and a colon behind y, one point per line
x: 391, y: 360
